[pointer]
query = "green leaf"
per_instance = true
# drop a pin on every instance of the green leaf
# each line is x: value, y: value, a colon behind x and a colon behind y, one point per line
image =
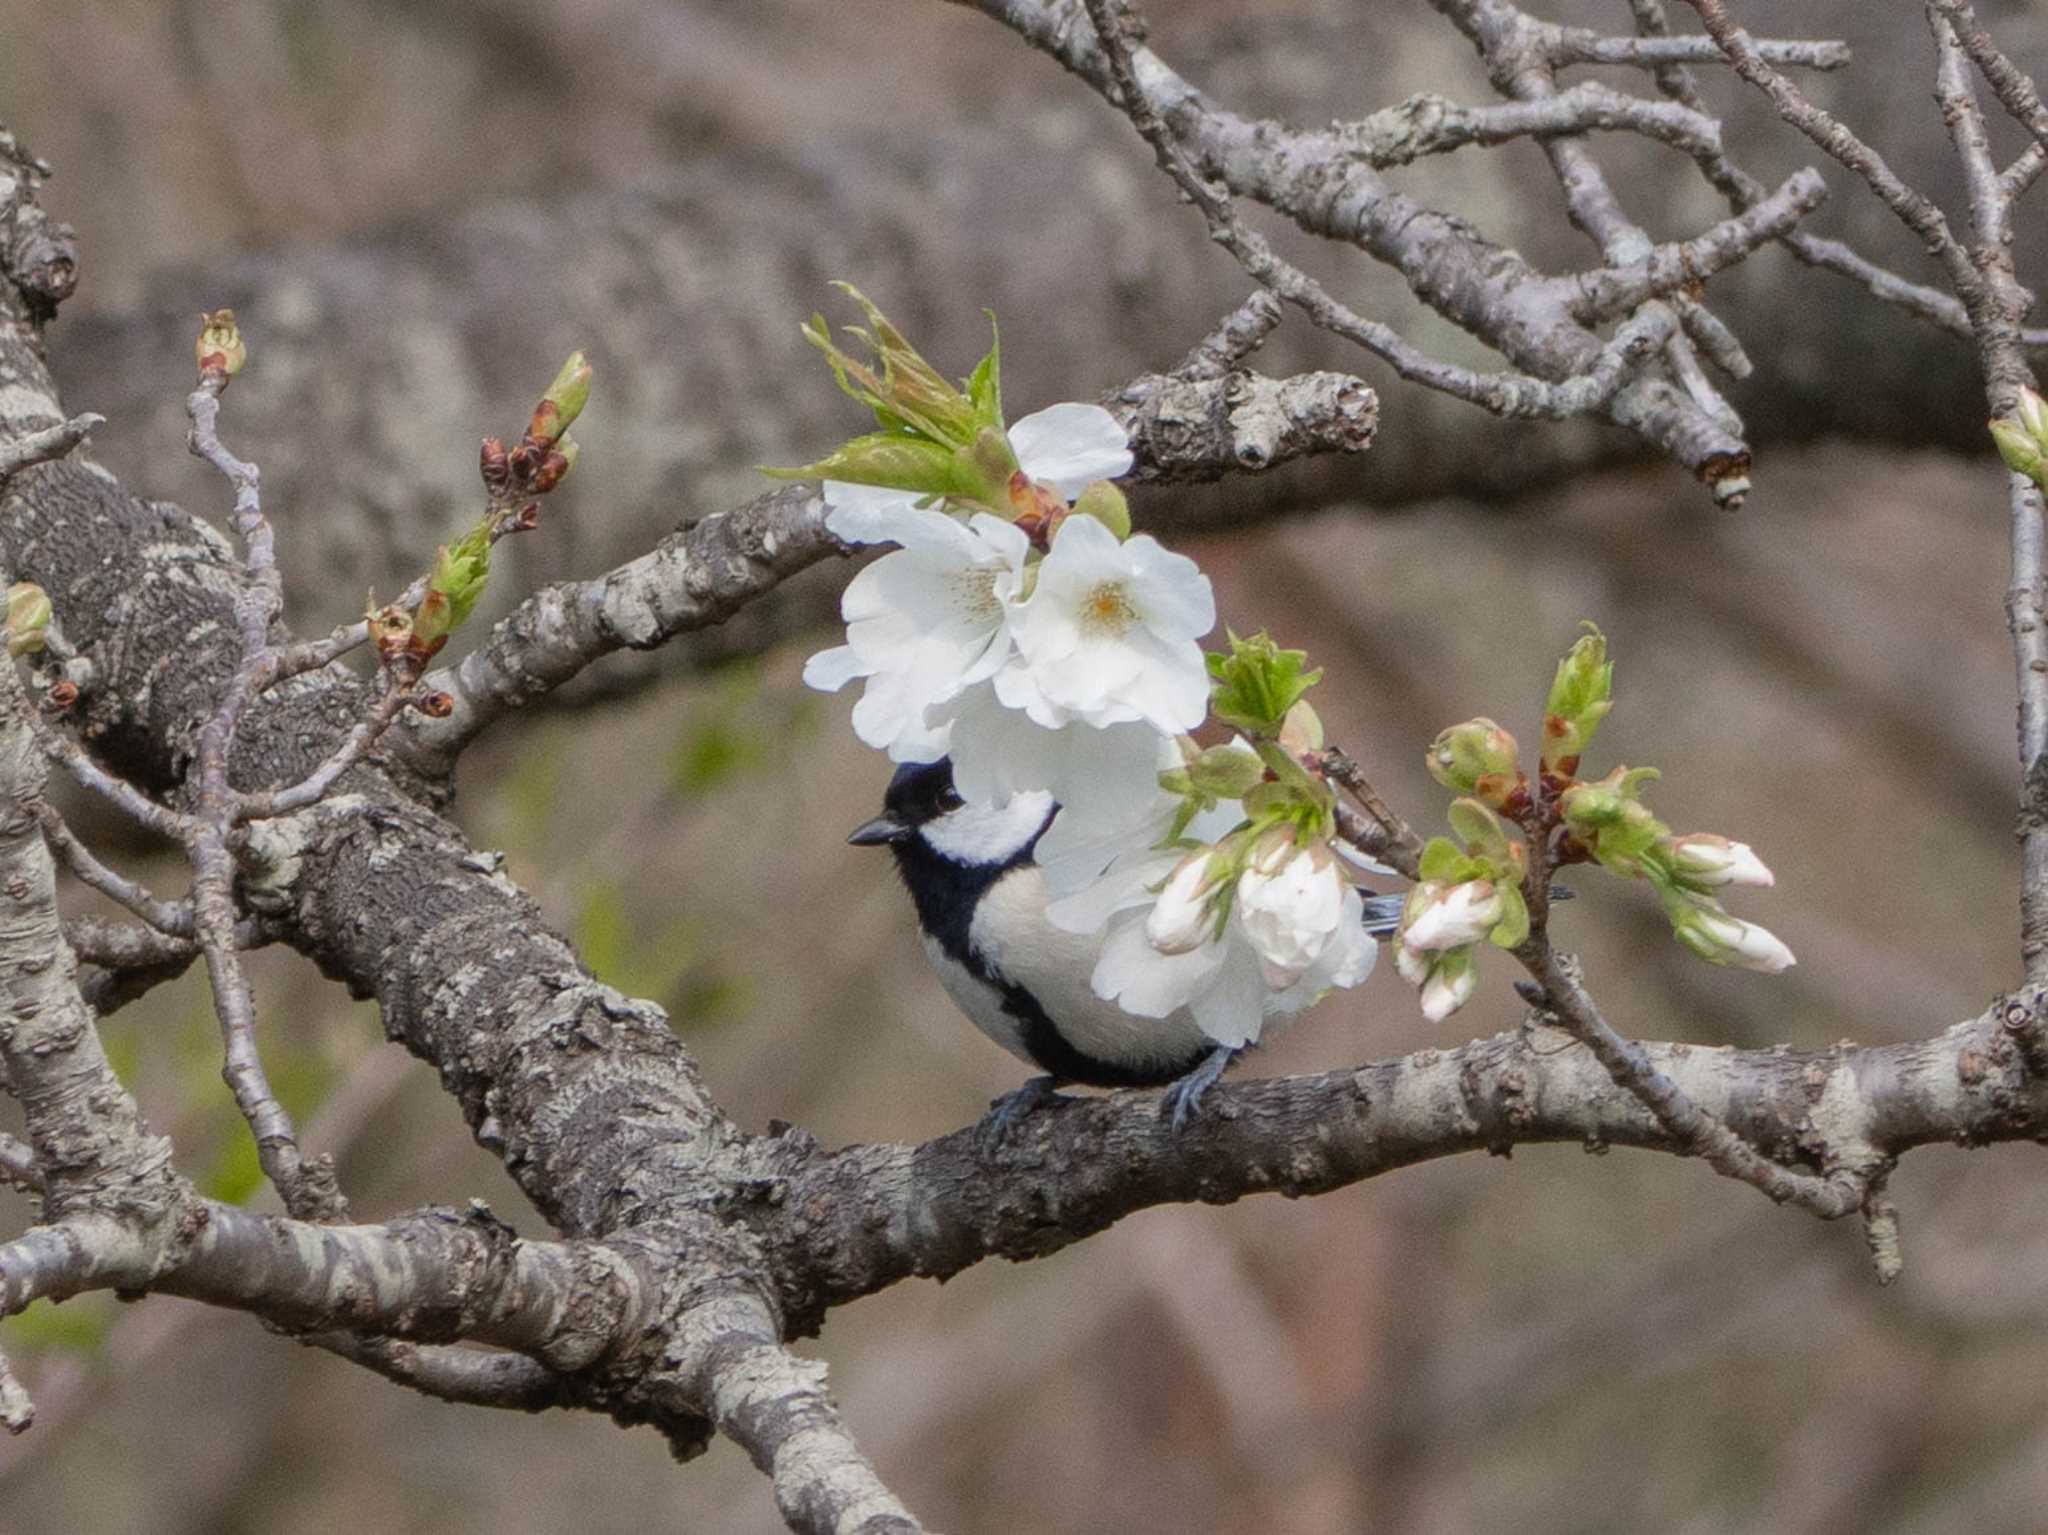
x: 985, y: 384
x: 461, y: 571
x: 1481, y: 831
x: 1513, y: 926
x: 1443, y: 861
x: 1258, y: 682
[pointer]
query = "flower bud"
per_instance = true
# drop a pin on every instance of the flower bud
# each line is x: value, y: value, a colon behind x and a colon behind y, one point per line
x: 1229, y: 771
x: 555, y: 465
x: 1180, y: 920
x: 563, y: 402
x: 1105, y: 503
x: 220, y: 347
x: 2033, y: 414
x: 1590, y: 806
x: 2020, y: 449
x: 1301, y: 731
x: 1452, y: 916
x: 1464, y: 754
x: 1706, y: 862
x: 1449, y: 985
x: 1580, y: 698
x: 494, y: 464
x: 28, y: 618
x: 1719, y: 939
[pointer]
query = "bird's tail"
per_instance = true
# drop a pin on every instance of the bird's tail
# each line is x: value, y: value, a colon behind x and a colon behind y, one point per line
x: 1383, y: 912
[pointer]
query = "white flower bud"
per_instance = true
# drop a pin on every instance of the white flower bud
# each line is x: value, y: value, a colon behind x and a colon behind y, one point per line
x: 1455, y: 916
x: 1180, y: 920
x: 1449, y: 987
x: 1707, y: 862
x: 1724, y: 940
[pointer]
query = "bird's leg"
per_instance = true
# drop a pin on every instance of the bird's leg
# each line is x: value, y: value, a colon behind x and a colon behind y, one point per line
x: 1006, y: 1111
x: 1184, y: 1098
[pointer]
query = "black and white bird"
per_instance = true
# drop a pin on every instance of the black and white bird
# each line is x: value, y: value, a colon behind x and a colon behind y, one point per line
x: 1025, y: 983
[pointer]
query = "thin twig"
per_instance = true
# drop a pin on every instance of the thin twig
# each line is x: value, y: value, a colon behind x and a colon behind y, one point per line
x: 173, y: 918
x: 1830, y: 1196
x: 306, y: 1186
x: 1387, y: 837
x: 314, y: 786
x: 1505, y: 394
x: 470, y: 1377
x: 1576, y: 45
x: 44, y: 444
x: 66, y: 753
x: 1236, y: 337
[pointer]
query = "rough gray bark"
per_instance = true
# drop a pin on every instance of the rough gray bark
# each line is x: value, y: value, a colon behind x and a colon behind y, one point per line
x: 690, y: 1252
x: 385, y: 351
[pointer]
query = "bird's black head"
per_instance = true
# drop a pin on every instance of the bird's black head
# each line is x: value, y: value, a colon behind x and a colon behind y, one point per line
x: 919, y: 793
x: 923, y: 816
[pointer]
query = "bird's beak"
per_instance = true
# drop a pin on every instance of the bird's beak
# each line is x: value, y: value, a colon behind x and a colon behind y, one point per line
x: 882, y: 829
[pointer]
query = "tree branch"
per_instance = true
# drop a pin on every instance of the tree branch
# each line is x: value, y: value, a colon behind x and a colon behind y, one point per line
x: 869, y: 1216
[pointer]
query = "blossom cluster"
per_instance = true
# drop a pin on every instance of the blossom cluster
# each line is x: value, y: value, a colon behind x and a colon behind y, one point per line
x: 1022, y: 629
x: 1471, y: 889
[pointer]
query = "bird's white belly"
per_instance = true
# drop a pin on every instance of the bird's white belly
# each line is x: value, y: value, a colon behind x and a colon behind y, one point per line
x: 981, y: 1002
x: 1011, y: 933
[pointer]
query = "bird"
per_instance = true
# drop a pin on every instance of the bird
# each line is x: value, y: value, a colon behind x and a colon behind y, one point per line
x: 981, y: 897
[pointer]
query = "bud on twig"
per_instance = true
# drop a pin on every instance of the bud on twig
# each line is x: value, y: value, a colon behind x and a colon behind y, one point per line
x: 1704, y: 861
x: 562, y: 404
x: 28, y: 618
x: 496, y: 467
x: 2022, y: 437
x: 1106, y: 504
x: 1580, y: 697
x: 1183, y: 918
x: 1480, y: 759
x: 220, y: 348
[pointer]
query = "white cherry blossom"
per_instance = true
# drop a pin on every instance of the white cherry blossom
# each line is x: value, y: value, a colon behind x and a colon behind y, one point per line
x: 1108, y: 634
x: 1290, y: 903
x: 923, y: 623
x: 1223, y: 982
x: 1067, y: 446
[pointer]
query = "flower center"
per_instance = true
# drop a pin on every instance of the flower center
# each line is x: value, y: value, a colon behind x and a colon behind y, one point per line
x: 1107, y: 610
x: 974, y: 594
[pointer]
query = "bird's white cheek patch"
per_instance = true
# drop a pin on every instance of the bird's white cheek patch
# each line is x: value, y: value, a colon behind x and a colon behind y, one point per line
x: 977, y: 834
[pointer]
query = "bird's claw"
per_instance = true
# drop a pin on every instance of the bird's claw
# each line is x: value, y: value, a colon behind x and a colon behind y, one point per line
x: 1005, y: 1112
x: 1183, y: 1099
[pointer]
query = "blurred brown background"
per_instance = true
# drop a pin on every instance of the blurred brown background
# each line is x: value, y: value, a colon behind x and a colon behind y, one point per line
x: 1552, y: 1343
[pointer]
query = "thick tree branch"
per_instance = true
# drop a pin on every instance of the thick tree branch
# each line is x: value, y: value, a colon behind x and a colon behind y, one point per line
x: 774, y: 1405
x: 1480, y: 287
x: 869, y: 1216
x: 696, y: 577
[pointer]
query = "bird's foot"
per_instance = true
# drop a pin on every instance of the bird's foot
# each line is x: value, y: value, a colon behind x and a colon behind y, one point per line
x: 1183, y: 1099
x: 1005, y: 1112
